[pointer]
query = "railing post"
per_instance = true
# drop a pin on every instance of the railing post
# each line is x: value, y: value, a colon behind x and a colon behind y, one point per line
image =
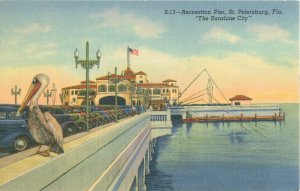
x: 147, y: 159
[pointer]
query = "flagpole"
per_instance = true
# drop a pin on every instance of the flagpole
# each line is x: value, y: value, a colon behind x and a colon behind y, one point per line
x: 128, y: 59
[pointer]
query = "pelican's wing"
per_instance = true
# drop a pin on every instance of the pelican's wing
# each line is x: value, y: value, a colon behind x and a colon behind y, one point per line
x: 54, y: 127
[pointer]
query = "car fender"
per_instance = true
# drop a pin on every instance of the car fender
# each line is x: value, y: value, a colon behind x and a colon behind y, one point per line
x: 8, y: 139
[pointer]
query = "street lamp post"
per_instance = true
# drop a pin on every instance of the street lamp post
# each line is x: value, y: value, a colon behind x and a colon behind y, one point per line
x: 115, y: 81
x: 139, y: 93
x: 47, y: 95
x: 87, y: 65
x: 146, y: 98
x: 15, y: 92
x: 53, y: 91
x: 131, y: 93
x: 62, y: 97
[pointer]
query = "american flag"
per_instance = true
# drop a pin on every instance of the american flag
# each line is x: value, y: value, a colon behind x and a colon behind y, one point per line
x: 133, y: 51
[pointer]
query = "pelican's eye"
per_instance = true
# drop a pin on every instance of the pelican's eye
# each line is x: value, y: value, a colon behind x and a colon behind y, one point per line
x: 34, y: 81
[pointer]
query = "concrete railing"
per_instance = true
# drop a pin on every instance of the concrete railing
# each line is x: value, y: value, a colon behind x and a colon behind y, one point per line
x: 161, y: 119
x: 91, y: 162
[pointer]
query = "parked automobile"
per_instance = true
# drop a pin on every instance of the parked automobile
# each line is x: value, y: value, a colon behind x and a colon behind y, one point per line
x: 94, y: 121
x: 111, y: 109
x: 106, y: 117
x: 110, y: 113
x: 95, y: 117
x: 14, y: 133
x: 127, y: 109
x: 80, y: 120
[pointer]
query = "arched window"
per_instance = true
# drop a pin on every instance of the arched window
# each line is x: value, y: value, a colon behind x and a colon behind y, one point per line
x: 72, y: 92
x: 102, y: 88
x: 111, y: 88
x: 156, y: 91
x: 149, y: 91
x: 122, y: 88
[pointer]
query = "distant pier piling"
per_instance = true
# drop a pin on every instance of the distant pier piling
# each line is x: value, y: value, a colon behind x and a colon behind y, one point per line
x: 242, y: 117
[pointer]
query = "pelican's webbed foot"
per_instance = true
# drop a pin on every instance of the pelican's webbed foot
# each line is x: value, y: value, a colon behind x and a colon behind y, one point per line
x: 44, y: 153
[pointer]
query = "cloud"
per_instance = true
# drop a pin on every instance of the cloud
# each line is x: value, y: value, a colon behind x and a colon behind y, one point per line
x: 270, y: 32
x: 140, y: 26
x: 220, y: 34
x: 32, y: 28
x: 40, y: 51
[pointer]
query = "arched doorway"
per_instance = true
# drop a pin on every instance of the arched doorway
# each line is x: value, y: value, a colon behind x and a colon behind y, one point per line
x: 110, y: 100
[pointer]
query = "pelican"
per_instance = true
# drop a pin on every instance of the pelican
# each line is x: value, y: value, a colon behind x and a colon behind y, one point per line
x: 43, y: 127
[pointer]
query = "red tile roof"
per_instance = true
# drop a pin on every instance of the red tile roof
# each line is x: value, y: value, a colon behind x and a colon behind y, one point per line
x: 129, y: 74
x: 169, y: 80
x: 111, y: 76
x: 115, y: 76
x: 240, y: 97
x: 83, y: 82
x: 154, y: 85
x: 140, y: 73
x: 79, y: 87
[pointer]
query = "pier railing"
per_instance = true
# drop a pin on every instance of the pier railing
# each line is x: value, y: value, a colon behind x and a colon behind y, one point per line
x: 86, y: 163
x: 161, y: 119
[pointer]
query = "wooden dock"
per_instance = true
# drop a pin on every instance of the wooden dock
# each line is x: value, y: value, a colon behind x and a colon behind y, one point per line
x: 234, y: 118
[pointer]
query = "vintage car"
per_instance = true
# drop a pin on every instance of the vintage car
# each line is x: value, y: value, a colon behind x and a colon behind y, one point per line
x: 77, y: 117
x: 106, y: 116
x: 14, y: 134
x: 127, y: 110
x: 111, y: 109
x: 122, y: 110
x: 108, y: 112
x: 93, y: 118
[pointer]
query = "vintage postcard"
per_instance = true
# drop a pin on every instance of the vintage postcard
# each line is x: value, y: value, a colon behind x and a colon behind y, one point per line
x: 149, y: 95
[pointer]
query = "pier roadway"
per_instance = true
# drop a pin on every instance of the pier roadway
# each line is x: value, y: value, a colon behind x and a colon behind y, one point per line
x: 115, y: 157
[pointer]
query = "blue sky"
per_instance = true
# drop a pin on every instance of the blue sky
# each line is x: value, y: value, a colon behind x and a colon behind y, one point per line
x: 39, y: 35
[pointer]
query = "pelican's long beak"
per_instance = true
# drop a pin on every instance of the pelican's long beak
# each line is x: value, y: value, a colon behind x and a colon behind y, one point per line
x: 31, y: 92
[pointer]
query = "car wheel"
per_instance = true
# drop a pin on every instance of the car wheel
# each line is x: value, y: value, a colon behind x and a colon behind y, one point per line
x: 21, y: 143
x: 69, y: 130
x: 81, y: 127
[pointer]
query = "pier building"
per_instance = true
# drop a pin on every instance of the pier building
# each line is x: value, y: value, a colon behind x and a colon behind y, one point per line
x: 74, y: 95
x: 133, y: 88
x: 240, y: 100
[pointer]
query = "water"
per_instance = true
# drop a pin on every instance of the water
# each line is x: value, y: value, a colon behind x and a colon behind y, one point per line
x: 246, y: 156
